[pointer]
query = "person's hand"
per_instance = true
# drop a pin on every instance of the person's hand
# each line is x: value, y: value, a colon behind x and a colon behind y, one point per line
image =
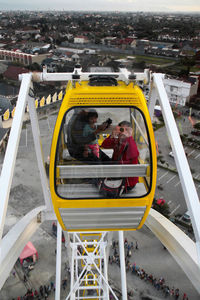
x: 116, y: 132
x: 101, y: 127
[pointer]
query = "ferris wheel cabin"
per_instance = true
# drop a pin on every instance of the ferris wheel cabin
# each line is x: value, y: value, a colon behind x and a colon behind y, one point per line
x: 76, y: 193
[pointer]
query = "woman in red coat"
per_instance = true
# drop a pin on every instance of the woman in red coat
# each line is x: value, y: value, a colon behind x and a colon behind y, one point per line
x: 125, y: 149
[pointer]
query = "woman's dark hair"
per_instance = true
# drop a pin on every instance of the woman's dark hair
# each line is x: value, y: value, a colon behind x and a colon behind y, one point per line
x: 125, y: 123
x: 92, y: 114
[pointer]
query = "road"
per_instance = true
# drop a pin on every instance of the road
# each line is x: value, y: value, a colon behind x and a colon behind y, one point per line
x: 172, y: 190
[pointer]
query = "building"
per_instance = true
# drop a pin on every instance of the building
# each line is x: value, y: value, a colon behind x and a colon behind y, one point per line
x: 180, y: 92
x: 23, y: 58
x: 81, y: 40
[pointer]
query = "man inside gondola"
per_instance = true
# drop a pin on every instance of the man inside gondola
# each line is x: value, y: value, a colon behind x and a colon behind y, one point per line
x: 125, y: 149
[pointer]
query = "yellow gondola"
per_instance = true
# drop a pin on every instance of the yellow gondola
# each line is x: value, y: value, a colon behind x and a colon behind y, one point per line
x: 74, y: 178
x: 90, y: 281
x: 93, y: 249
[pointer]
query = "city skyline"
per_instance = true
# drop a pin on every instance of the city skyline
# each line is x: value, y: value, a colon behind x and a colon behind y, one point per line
x: 169, y: 6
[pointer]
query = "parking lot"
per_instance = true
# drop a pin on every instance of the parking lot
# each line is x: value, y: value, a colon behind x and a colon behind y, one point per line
x: 169, y: 188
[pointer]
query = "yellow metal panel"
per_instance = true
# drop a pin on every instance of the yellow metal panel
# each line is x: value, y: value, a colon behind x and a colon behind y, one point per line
x: 48, y: 100
x: 42, y: 102
x: 6, y: 115
x: 54, y: 98
x: 60, y: 95
x: 36, y: 103
x: 13, y: 112
x: 84, y: 95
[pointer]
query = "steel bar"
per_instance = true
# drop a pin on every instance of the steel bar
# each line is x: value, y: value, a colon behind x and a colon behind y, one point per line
x: 122, y: 265
x: 183, y: 168
x: 58, y: 261
x: 12, y: 148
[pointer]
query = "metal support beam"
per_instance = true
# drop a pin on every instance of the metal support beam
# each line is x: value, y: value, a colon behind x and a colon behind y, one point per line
x: 91, y: 264
x: 183, y: 168
x: 39, y: 153
x: 152, y: 100
x: 15, y: 240
x: 58, y: 261
x: 12, y: 148
x: 95, y: 265
x: 122, y: 265
x: 72, y: 270
x: 122, y: 75
x: 106, y: 271
x: 180, y: 246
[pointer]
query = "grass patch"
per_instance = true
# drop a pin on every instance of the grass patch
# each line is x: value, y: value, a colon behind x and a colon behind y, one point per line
x: 153, y: 60
x: 157, y: 126
x: 180, y: 67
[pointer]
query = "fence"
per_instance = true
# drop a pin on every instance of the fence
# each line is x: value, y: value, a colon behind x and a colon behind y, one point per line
x: 38, y: 103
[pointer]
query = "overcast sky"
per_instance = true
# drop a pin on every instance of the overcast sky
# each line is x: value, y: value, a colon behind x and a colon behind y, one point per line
x: 104, y: 5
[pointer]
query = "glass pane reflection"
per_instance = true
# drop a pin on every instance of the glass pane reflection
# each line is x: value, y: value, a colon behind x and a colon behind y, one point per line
x: 98, y: 143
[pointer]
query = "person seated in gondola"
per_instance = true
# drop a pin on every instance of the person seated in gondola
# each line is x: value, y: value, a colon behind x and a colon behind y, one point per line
x: 89, y: 128
x: 77, y: 144
x: 125, y: 149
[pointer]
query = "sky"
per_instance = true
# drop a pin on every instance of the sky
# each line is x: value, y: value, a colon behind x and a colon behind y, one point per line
x: 104, y: 5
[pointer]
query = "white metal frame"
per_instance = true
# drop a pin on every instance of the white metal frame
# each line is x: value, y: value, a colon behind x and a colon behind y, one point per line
x: 12, y: 148
x: 9, y: 248
x: 186, y: 179
x: 91, y: 267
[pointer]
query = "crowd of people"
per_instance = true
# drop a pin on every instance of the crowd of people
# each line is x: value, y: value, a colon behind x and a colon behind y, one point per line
x: 158, y: 284
x: 42, y: 293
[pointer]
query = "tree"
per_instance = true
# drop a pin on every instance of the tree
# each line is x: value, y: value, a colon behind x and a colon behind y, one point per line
x: 197, y: 126
x: 35, y: 67
x: 162, y: 208
x: 188, y: 62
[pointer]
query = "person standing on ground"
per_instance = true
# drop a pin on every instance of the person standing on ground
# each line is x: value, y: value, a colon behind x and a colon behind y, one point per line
x: 185, y: 296
x: 64, y: 284
x: 136, y: 245
x: 176, y: 294
x: 41, y: 291
x: 36, y: 294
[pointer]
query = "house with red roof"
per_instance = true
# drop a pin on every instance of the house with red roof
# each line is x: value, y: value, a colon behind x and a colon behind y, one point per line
x: 12, y: 73
x: 81, y: 39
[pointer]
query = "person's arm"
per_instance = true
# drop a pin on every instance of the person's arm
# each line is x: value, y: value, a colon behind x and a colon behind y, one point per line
x: 80, y: 139
x: 112, y: 140
x: 87, y: 130
x: 108, y: 143
x: 131, y: 155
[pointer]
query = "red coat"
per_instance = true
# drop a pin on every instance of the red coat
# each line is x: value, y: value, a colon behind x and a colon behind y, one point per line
x: 129, y: 156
